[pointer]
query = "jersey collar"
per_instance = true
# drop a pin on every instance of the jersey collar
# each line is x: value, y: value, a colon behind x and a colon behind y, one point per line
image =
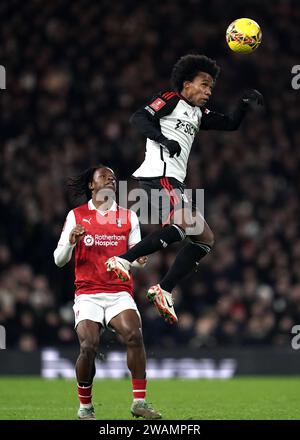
x: 186, y: 100
x: 92, y: 207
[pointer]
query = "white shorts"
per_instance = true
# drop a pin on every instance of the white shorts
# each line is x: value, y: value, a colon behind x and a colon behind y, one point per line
x: 102, y: 307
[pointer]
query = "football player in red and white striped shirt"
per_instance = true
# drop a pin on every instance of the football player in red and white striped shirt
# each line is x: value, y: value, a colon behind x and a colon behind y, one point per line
x: 98, y: 230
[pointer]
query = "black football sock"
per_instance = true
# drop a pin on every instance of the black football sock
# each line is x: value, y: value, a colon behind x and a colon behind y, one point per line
x: 186, y: 261
x: 155, y: 241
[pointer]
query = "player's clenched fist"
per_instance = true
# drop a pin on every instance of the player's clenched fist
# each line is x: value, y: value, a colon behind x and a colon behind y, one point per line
x: 77, y: 234
x: 142, y: 261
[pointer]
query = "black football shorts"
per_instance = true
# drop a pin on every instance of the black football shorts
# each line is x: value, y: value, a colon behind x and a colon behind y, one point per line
x: 161, y: 198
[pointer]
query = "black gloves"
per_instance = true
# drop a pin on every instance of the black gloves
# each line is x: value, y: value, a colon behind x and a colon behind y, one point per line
x: 253, y: 98
x: 172, y: 146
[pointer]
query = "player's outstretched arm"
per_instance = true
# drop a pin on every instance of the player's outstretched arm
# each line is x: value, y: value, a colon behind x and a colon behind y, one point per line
x: 231, y: 121
x: 253, y: 98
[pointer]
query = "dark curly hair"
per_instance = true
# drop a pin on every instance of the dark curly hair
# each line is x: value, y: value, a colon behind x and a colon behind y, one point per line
x: 188, y: 66
x: 79, y: 185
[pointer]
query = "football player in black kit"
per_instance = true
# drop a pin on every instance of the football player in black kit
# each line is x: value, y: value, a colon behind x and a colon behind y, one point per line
x: 170, y: 122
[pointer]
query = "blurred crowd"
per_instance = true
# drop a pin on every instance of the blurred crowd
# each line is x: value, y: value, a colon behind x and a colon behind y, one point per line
x: 75, y: 73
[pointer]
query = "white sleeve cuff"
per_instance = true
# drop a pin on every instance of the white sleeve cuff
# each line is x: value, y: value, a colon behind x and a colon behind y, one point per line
x: 63, y: 254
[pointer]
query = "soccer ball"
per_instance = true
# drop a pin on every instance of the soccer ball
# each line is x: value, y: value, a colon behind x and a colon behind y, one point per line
x: 243, y: 35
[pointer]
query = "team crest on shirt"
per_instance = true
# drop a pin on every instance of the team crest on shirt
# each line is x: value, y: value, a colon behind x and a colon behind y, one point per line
x: 119, y: 222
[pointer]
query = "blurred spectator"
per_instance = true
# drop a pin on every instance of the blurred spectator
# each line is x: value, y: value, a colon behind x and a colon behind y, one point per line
x: 27, y: 342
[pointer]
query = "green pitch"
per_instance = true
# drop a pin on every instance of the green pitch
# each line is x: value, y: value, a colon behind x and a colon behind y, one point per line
x: 240, y: 398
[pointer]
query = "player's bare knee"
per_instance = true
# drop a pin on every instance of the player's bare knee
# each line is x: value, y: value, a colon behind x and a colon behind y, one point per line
x: 134, y: 338
x: 182, y: 218
x: 211, y: 240
x: 209, y: 237
x: 206, y: 237
x: 88, y: 348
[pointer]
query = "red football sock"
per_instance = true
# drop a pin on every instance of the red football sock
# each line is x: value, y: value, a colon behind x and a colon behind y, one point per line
x: 139, y: 388
x: 85, y: 394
